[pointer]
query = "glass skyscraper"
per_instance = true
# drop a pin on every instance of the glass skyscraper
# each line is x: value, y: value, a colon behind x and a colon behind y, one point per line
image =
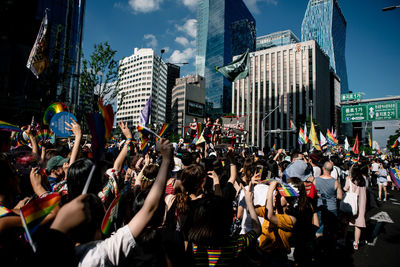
x: 324, y: 22
x: 276, y: 39
x: 21, y: 94
x: 225, y: 28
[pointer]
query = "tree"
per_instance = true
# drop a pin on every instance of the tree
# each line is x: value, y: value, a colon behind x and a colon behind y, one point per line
x: 99, y: 79
x: 100, y: 75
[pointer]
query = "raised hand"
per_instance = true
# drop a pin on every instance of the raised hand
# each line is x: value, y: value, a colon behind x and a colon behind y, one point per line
x: 74, y: 127
x: 125, y: 130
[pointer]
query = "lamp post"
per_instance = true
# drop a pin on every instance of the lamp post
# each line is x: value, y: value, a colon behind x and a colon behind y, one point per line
x: 263, y: 126
x: 390, y: 8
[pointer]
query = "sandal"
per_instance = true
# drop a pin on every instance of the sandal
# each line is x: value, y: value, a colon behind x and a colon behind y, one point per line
x: 355, y: 245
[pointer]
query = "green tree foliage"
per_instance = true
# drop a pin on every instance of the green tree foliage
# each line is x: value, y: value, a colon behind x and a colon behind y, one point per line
x: 100, y: 75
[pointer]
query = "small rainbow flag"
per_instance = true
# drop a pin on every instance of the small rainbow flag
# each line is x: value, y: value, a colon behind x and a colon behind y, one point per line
x: 5, y: 126
x: 331, y: 138
x: 108, y: 115
x: 286, y: 190
x: 395, y: 175
x: 112, y: 212
x: 302, y: 140
x: 396, y: 143
x: 33, y: 213
x: 4, y: 211
x: 353, y: 160
x: 163, y: 130
x: 273, y: 148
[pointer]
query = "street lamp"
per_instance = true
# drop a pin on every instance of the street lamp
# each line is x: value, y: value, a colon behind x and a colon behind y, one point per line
x: 390, y: 8
x: 263, y: 126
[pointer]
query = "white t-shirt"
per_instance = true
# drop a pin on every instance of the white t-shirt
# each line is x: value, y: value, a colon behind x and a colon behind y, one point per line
x: 317, y: 171
x: 336, y: 172
x: 260, y: 195
x: 112, y: 251
x: 375, y: 167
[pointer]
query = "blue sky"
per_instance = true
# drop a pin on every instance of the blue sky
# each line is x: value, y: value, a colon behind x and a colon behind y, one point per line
x: 372, y: 45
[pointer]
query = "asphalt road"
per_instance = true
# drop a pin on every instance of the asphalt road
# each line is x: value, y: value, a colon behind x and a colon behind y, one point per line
x: 380, y: 240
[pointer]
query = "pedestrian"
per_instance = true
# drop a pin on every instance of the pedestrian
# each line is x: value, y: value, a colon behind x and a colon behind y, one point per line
x: 382, y: 181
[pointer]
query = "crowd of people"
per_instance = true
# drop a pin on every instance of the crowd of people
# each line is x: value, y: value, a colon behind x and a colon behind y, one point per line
x: 183, y: 205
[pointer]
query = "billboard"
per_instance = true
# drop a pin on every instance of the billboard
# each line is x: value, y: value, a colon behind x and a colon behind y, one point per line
x: 234, y: 124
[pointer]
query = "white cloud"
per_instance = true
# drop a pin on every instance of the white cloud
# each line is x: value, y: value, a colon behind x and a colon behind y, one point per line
x: 190, y: 27
x: 182, y: 56
x: 152, y: 40
x: 145, y: 6
x: 253, y: 4
x: 182, y: 40
x: 191, y: 4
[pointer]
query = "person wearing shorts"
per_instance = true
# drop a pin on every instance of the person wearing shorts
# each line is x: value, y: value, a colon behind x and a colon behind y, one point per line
x: 382, y: 181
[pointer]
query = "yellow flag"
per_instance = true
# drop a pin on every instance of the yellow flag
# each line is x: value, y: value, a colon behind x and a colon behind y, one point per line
x: 369, y: 140
x: 201, y: 140
x: 313, y: 138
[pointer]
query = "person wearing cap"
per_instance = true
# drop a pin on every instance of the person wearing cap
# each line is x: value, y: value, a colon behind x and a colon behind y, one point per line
x: 55, y: 169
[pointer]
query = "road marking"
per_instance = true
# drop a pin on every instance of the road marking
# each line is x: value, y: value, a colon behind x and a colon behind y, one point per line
x: 382, y: 217
x: 396, y: 203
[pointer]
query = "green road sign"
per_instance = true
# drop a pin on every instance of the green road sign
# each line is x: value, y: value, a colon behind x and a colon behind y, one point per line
x: 353, y: 96
x: 398, y: 110
x: 382, y: 111
x: 356, y: 113
x: 371, y: 112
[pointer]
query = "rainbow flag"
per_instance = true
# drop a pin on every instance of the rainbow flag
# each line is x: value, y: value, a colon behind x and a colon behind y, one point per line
x: 395, y: 175
x: 353, y: 161
x: 163, y: 130
x: 273, y: 149
x: 302, y: 140
x: 108, y: 115
x: 112, y: 212
x: 396, y: 142
x: 4, y: 211
x: 33, y: 213
x: 331, y: 138
x: 286, y: 190
x: 5, y: 126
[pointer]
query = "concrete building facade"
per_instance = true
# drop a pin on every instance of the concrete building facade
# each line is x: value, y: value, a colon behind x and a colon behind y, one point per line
x: 188, y: 97
x: 143, y: 74
x: 296, y: 77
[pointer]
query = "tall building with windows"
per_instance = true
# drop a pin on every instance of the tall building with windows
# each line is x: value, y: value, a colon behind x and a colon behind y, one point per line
x: 276, y: 39
x: 21, y: 94
x: 173, y: 73
x: 188, y: 96
x: 295, y: 77
x: 143, y: 74
x: 325, y: 23
x: 225, y: 28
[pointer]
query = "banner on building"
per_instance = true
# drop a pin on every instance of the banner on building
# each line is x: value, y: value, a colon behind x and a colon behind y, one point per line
x: 234, y: 124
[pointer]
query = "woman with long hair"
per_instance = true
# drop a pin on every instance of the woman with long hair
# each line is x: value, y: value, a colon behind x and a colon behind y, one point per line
x: 357, y: 183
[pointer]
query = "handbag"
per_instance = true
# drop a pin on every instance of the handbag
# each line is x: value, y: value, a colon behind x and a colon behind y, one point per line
x: 349, y: 203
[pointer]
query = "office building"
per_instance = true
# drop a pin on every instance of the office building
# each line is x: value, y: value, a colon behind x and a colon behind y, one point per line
x: 21, y: 94
x: 276, y: 39
x: 173, y: 72
x: 226, y: 28
x: 143, y: 74
x: 188, y: 97
x: 295, y: 77
x: 325, y: 23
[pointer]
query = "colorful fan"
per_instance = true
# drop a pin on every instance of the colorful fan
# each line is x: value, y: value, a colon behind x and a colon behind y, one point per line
x: 53, y: 109
x: 43, y: 136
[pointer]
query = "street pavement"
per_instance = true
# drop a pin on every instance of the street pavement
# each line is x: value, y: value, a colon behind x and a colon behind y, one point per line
x: 383, y: 248
x: 380, y: 240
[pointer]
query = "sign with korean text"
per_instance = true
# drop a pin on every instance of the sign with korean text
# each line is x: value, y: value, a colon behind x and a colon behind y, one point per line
x: 382, y: 111
x: 371, y: 112
x: 353, y: 96
x: 356, y: 113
